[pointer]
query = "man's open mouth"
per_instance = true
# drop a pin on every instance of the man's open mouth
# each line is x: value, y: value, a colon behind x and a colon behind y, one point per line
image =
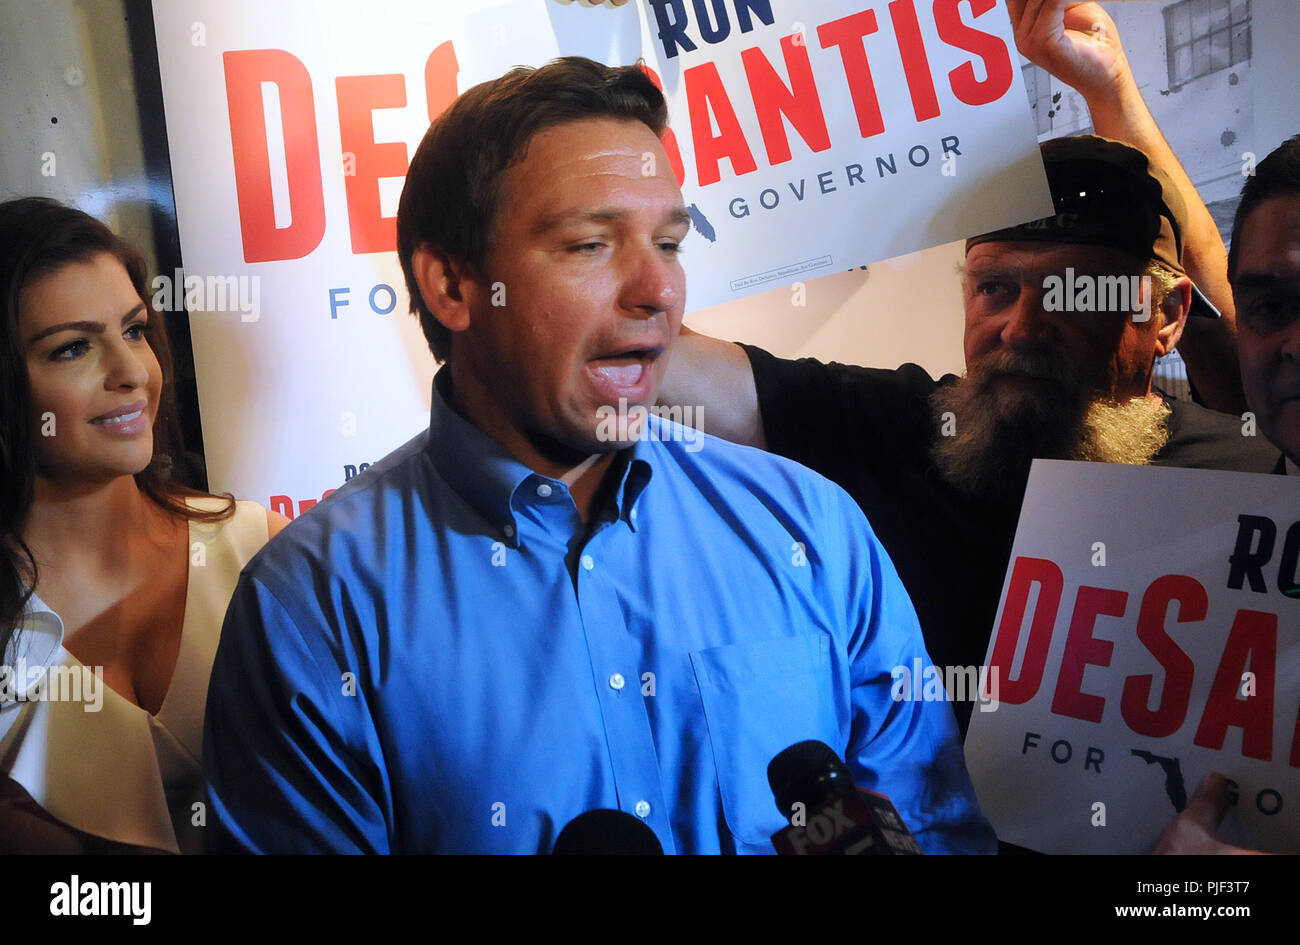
x: 624, y: 372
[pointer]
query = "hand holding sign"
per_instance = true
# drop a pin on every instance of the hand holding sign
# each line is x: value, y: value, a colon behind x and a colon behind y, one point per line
x: 1132, y: 677
x: 1194, y: 830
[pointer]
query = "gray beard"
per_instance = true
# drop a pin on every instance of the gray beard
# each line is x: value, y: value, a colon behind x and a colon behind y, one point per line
x: 998, y: 433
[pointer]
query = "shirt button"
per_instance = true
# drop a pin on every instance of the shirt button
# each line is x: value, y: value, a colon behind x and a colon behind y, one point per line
x: 617, y: 681
x: 632, y: 515
x: 642, y: 809
x: 509, y: 530
x: 544, y: 490
x: 588, y: 562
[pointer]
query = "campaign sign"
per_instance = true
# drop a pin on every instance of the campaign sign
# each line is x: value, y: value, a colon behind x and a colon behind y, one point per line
x: 807, y: 137
x: 1149, y: 633
x: 816, y: 135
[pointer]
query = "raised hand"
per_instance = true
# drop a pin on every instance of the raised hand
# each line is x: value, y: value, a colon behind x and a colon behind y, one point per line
x: 1076, y: 42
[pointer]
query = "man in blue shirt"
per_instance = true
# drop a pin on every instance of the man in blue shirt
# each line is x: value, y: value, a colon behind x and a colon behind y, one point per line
x: 548, y: 602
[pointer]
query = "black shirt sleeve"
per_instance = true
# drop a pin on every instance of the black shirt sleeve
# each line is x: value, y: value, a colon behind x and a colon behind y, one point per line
x: 848, y: 423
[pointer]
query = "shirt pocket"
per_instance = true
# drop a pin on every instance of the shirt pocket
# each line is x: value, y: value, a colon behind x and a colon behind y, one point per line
x: 759, y: 699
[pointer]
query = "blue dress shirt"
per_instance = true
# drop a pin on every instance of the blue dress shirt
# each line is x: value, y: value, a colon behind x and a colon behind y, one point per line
x: 441, y: 657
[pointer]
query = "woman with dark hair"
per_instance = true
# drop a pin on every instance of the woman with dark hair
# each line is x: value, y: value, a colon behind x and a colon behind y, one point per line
x: 114, y: 578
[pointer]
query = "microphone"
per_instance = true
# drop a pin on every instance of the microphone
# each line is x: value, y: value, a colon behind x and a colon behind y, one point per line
x: 606, y: 833
x: 828, y: 814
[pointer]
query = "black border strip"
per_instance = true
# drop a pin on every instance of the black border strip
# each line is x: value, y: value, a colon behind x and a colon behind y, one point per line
x: 166, y: 234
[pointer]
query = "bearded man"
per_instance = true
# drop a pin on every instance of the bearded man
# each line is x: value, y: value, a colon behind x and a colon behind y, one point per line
x: 1065, y: 318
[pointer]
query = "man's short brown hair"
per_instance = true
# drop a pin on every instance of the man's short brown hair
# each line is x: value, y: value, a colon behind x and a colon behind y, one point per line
x: 453, y: 187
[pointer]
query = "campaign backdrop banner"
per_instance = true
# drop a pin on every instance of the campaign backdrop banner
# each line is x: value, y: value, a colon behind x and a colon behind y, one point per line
x: 808, y: 137
x: 1149, y: 633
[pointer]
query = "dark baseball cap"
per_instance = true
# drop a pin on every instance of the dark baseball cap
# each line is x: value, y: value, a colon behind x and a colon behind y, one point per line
x: 1108, y: 193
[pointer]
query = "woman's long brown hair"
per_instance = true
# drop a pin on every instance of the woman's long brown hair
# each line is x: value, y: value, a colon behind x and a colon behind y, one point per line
x: 38, y: 236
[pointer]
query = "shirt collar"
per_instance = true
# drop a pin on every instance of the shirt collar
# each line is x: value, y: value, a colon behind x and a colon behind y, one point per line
x: 636, y: 476
x: 1291, y: 468
x: 487, y: 475
x: 31, y: 651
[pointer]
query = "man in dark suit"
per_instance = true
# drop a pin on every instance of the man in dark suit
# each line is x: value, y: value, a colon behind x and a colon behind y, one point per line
x: 1264, y: 269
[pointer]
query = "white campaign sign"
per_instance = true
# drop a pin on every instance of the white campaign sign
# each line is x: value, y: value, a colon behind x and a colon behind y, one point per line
x: 1149, y: 633
x: 809, y: 137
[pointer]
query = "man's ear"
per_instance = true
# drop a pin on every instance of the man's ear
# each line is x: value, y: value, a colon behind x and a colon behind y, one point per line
x: 1177, y: 305
x: 443, y: 286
